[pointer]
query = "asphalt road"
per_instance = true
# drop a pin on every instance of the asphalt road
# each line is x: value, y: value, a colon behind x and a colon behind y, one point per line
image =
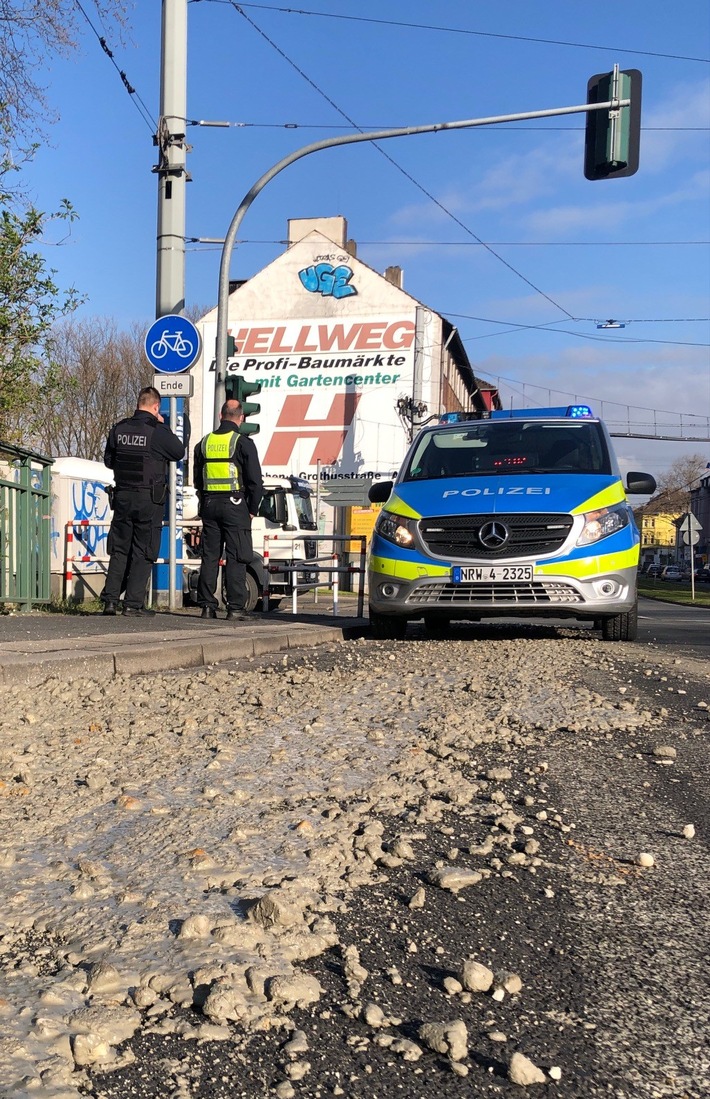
x: 667, y: 624
x: 685, y: 628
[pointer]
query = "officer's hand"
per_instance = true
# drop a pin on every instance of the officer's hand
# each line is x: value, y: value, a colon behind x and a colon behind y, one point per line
x: 159, y: 418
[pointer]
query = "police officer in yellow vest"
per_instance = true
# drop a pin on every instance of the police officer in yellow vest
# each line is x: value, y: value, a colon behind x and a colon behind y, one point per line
x: 227, y: 476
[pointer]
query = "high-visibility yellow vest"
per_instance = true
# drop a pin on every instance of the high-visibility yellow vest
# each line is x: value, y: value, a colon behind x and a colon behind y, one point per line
x: 221, y: 472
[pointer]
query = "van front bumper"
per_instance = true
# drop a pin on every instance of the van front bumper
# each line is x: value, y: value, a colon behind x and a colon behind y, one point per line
x: 547, y: 594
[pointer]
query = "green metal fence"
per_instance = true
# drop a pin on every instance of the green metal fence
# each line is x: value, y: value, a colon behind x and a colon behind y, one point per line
x: 24, y: 527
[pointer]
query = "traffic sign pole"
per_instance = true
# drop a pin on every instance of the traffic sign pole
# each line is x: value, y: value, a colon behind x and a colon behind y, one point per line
x: 172, y: 185
x: 690, y: 528
x: 172, y: 346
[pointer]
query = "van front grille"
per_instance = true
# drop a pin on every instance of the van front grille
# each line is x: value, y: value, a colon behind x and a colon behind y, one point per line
x: 458, y: 537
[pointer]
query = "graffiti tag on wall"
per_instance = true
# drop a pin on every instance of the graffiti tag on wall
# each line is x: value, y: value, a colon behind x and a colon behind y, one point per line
x: 331, y: 282
x: 88, y: 502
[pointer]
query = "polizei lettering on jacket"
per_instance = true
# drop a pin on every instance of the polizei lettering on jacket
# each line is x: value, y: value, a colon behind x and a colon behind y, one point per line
x: 511, y: 490
x: 313, y: 337
x: 132, y: 440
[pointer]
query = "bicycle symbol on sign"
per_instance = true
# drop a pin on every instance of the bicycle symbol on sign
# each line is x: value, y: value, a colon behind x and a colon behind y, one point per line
x: 171, y: 341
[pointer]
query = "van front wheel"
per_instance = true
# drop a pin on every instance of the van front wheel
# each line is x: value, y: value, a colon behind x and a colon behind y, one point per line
x: 621, y: 627
x: 387, y: 627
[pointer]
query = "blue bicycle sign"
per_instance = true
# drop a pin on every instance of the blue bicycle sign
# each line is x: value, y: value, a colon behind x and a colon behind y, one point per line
x: 172, y: 344
x: 171, y: 341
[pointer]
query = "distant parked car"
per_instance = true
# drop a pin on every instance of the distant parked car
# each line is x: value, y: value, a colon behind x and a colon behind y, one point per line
x: 703, y: 575
x: 653, y: 571
x: 671, y: 572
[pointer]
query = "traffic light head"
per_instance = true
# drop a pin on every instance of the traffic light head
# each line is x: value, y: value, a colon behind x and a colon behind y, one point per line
x: 239, y: 389
x: 611, y: 141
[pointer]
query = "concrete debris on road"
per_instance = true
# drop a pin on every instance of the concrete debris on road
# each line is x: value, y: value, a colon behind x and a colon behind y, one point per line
x: 230, y: 862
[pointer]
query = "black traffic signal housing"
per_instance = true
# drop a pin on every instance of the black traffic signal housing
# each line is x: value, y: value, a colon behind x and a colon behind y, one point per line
x: 612, y: 137
x: 239, y: 389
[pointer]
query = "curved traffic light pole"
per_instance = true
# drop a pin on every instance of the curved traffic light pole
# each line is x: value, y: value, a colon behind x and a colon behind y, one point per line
x: 329, y: 143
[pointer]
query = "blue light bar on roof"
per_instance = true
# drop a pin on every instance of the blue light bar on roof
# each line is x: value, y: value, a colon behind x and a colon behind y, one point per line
x: 566, y: 412
x: 560, y: 412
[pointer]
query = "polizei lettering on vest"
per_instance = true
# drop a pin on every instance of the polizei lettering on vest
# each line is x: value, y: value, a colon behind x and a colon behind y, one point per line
x: 132, y: 440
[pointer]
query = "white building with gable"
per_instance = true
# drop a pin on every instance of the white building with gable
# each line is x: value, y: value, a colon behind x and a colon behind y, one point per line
x: 349, y: 363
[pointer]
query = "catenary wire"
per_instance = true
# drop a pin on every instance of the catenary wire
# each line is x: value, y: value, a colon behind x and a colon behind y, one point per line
x: 135, y: 97
x: 497, y: 243
x: 513, y: 326
x: 382, y: 126
x: 468, y: 31
x: 399, y: 167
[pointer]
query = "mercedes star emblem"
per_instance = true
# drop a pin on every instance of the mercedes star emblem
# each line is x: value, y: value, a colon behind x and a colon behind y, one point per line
x: 493, y: 535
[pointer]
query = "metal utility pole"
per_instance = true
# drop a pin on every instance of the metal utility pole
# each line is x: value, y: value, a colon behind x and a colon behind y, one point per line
x: 172, y: 180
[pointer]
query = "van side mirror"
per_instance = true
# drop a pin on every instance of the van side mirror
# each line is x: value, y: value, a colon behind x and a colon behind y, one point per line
x: 379, y: 492
x: 640, y: 484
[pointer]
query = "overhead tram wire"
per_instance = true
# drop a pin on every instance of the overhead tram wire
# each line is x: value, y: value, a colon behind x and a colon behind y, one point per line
x: 342, y: 126
x: 238, y: 8
x: 500, y: 244
x: 474, y: 33
x: 497, y: 243
x: 519, y: 387
x: 141, y: 107
x: 514, y: 326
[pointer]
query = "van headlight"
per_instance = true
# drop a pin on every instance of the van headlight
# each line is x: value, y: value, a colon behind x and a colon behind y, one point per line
x: 600, y: 524
x: 396, y: 528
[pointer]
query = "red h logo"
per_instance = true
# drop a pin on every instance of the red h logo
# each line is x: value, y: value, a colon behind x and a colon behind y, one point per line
x: 292, y: 426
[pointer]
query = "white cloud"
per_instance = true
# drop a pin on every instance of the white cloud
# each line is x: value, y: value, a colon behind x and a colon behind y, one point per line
x: 673, y: 155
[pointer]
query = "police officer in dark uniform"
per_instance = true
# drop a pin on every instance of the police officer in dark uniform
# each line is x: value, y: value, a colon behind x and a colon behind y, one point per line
x: 138, y: 450
x: 227, y: 476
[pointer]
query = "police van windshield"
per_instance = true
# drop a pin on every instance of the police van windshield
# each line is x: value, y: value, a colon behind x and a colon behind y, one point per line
x: 501, y: 447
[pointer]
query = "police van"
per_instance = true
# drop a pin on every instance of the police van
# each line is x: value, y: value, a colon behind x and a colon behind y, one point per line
x: 519, y: 513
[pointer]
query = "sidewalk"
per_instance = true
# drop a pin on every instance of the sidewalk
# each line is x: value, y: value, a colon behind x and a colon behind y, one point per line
x: 37, y: 645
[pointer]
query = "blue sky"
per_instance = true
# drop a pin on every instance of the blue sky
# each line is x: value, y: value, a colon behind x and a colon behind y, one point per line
x: 564, y: 253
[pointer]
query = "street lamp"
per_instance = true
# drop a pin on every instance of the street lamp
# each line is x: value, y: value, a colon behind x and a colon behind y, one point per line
x: 329, y: 143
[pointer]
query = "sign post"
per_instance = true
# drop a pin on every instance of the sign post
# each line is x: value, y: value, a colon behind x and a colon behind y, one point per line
x: 172, y: 346
x: 690, y: 529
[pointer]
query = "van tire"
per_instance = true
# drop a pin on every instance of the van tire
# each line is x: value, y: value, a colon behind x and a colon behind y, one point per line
x: 387, y: 627
x: 621, y: 627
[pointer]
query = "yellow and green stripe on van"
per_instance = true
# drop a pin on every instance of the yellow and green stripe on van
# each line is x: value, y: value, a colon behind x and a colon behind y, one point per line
x: 607, y: 498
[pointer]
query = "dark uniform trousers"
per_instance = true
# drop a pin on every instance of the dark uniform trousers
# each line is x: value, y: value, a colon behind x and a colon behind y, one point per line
x: 223, y: 526
x: 133, y: 542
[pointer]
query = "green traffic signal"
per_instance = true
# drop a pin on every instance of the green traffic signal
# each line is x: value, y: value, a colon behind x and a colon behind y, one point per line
x: 612, y: 137
x: 240, y: 390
